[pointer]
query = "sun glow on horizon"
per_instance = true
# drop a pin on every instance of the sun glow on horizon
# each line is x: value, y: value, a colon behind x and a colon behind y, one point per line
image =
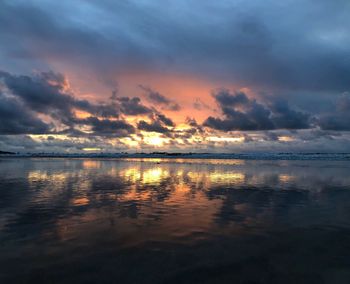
x: 154, y: 140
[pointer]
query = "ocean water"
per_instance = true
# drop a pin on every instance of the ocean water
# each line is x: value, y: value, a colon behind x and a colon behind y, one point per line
x: 65, y: 220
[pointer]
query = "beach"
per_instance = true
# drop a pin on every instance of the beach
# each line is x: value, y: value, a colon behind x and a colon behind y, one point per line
x: 89, y: 220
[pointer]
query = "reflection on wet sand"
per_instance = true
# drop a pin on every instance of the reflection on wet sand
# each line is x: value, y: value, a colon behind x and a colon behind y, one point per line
x: 91, y: 164
x: 171, y: 196
x: 87, y: 208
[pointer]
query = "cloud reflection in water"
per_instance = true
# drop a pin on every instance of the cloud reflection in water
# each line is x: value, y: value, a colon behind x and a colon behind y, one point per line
x: 90, y: 208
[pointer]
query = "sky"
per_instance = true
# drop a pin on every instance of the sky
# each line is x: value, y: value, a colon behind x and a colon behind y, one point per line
x: 177, y: 76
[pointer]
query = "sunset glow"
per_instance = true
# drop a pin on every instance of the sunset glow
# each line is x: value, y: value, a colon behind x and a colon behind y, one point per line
x: 174, y: 141
x: 120, y: 78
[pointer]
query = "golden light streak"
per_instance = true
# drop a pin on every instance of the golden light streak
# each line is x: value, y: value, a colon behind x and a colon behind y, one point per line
x: 234, y: 178
x: 40, y: 175
x: 91, y: 164
x: 285, y: 178
x: 82, y: 114
x: 80, y: 201
x: 91, y: 149
x: 226, y: 139
x: 154, y: 175
x: 132, y: 174
x: 285, y: 138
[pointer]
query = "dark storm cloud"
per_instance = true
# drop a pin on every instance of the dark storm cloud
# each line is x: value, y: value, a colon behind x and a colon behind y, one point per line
x: 159, y: 99
x: 285, y: 117
x: 104, y: 110
x: 40, y: 95
x: 250, y: 42
x: 159, y: 123
x: 115, y: 128
x: 46, y: 94
x: 155, y: 96
x: 193, y: 123
x: 224, y: 98
x: 154, y: 126
x: 241, y: 113
x: 16, y: 119
x: 133, y: 106
x: 339, y: 118
x: 166, y: 120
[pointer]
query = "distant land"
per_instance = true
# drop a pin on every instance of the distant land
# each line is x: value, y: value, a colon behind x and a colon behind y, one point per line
x: 6, y: 153
x: 166, y: 155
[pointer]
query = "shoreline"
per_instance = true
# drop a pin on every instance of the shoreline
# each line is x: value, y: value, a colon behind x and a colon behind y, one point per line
x: 246, y: 156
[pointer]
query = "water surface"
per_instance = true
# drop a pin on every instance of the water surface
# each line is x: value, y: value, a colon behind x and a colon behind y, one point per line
x: 174, y: 221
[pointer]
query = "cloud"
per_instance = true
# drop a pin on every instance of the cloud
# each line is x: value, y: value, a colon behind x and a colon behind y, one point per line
x: 132, y: 106
x: 40, y: 94
x: 114, y: 128
x: 241, y: 113
x: 159, y: 99
x: 339, y: 118
x: 159, y: 123
x: 16, y: 119
x: 284, y: 117
x: 49, y: 94
x: 249, y: 43
x: 200, y: 105
x: 154, y: 126
x: 197, y: 128
x: 166, y: 120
